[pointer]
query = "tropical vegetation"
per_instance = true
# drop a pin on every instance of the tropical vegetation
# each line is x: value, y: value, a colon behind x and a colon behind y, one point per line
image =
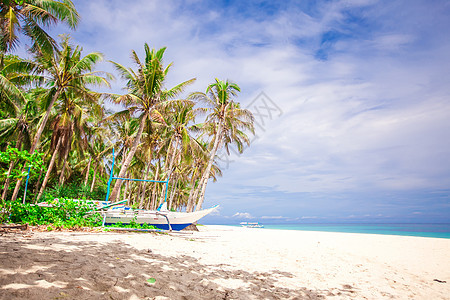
x: 57, y: 133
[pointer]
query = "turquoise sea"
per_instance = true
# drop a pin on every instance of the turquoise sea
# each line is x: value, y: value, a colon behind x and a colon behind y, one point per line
x: 422, y: 230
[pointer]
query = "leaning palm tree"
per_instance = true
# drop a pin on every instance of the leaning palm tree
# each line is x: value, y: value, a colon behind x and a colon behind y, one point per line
x: 29, y: 17
x: 65, y: 72
x: 146, y: 96
x: 226, y: 123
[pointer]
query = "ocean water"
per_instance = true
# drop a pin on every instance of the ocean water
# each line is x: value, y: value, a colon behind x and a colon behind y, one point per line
x: 422, y: 230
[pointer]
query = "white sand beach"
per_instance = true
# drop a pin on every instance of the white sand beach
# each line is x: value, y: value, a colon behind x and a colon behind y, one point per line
x: 222, y: 262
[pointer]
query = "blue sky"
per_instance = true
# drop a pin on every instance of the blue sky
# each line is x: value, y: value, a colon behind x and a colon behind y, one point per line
x: 354, y: 122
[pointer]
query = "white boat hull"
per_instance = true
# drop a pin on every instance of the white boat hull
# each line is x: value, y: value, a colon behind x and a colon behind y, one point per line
x: 159, y: 219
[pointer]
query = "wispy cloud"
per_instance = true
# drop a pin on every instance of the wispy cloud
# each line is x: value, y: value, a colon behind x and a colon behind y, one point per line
x: 274, y: 217
x: 242, y: 215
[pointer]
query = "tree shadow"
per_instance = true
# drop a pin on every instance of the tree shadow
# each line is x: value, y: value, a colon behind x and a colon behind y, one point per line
x: 30, y: 269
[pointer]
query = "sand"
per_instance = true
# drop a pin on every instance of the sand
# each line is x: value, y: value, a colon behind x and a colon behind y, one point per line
x: 221, y: 262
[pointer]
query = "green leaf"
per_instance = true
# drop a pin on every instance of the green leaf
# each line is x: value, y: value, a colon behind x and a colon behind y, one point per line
x: 151, y: 280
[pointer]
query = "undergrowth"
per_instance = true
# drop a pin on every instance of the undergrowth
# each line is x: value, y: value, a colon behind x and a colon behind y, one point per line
x: 63, y: 213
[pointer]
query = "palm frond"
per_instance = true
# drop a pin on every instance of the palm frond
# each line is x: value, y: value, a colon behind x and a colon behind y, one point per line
x: 38, y: 14
x: 9, y: 26
x: 87, y: 63
x: 43, y: 42
x: 125, y: 72
x: 64, y: 11
x: 176, y: 90
x: 95, y: 80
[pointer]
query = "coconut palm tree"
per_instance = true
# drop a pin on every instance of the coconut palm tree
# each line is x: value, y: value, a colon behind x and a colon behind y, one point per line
x: 179, y: 142
x: 29, y: 17
x: 99, y: 145
x: 65, y: 72
x: 19, y: 128
x: 146, y: 96
x: 73, y: 115
x: 226, y: 124
x: 19, y: 109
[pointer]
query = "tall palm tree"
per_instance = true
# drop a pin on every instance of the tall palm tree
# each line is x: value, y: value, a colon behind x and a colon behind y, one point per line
x: 18, y: 127
x: 99, y: 145
x: 146, y: 96
x: 80, y: 112
x: 19, y: 109
x: 226, y: 122
x: 180, y: 144
x: 65, y: 72
x: 70, y: 125
x: 29, y: 17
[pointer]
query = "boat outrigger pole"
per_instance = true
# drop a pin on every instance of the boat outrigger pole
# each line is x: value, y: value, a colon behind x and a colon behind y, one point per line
x: 111, y: 177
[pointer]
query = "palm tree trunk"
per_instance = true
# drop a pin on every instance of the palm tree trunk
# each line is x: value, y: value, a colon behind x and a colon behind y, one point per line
x: 141, y: 203
x: 139, y: 187
x: 190, y: 202
x: 50, y: 167
x: 93, y: 179
x: 37, y: 184
x: 66, y: 155
x: 11, y: 166
x: 205, y: 176
x: 61, y: 176
x: 169, y: 168
x: 87, y: 171
x: 125, y: 191
x: 129, y: 157
x: 172, y: 193
x: 151, y: 204
x: 37, y: 137
x: 6, y: 186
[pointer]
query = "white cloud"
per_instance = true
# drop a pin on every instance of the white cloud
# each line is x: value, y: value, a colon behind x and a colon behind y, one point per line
x: 274, y: 217
x: 309, y: 217
x: 242, y: 215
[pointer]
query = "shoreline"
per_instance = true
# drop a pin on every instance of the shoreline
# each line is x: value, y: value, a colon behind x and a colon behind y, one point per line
x: 365, y: 228
x: 223, y: 261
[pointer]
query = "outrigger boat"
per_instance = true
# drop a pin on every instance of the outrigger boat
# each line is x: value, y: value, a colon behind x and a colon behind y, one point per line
x: 251, y: 225
x: 161, y: 218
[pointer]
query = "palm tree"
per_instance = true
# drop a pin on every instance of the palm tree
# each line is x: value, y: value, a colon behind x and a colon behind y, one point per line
x: 180, y: 144
x: 146, y: 96
x: 65, y: 72
x: 80, y: 113
x: 18, y: 109
x: 70, y: 125
x: 18, y: 127
x: 99, y: 145
x: 199, y: 163
x: 29, y: 16
x: 226, y: 123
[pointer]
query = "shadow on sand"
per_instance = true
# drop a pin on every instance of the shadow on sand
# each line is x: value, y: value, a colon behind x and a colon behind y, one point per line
x: 53, y: 268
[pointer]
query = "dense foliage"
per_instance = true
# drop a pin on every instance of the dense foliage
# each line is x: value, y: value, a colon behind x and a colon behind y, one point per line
x: 63, y: 213
x: 54, y: 124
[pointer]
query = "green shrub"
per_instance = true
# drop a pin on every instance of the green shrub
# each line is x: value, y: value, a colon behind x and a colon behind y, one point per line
x: 74, y: 191
x: 63, y: 213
